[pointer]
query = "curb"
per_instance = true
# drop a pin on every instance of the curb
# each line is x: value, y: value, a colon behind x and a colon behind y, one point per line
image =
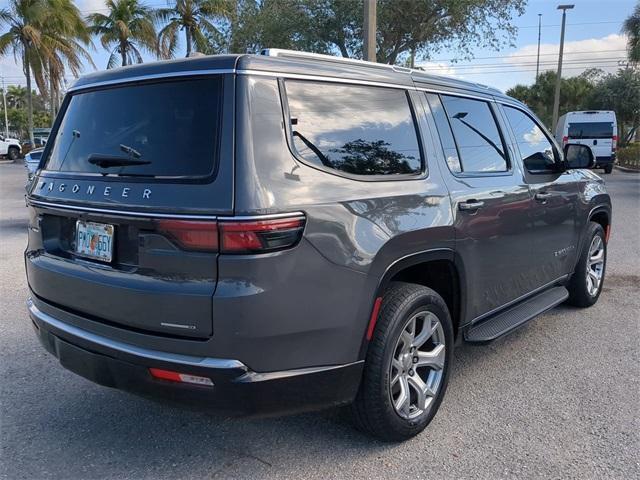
x: 6, y: 162
x: 625, y: 169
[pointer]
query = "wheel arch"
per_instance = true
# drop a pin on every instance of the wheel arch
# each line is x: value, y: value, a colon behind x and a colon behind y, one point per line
x: 437, y: 269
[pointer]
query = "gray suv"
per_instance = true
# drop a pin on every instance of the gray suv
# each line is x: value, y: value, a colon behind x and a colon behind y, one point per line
x: 287, y: 231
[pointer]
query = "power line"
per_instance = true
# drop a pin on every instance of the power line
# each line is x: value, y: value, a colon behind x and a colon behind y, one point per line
x: 529, y: 55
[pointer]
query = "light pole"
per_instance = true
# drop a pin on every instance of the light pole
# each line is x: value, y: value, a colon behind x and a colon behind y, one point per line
x: 539, y: 32
x: 556, y: 97
x: 369, y: 40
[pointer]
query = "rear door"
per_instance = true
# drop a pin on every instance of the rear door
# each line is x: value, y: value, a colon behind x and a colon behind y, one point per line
x: 490, y: 201
x: 123, y: 212
x: 596, y: 134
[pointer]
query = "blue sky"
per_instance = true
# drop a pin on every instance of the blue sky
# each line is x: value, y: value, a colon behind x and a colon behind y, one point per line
x: 592, y: 38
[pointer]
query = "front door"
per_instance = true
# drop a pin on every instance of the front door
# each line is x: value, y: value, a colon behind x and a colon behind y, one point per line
x: 554, y: 198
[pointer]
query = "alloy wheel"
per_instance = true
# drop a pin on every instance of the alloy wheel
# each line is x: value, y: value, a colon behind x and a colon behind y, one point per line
x: 417, y: 365
x: 595, y: 265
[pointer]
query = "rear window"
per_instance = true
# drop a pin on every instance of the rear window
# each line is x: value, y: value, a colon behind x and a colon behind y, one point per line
x: 354, y: 129
x: 591, y: 130
x: 167, y: 129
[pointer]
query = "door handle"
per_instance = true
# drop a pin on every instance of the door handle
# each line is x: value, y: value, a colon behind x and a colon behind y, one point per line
x: 470, y: 205
x: 595, y: 142
x: 542, y: 197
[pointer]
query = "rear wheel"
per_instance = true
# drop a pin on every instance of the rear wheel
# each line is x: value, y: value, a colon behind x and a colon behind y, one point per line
x: 407, y: 364
x: 13, y: 153
x: 586, y: 283
x: 608, y: 168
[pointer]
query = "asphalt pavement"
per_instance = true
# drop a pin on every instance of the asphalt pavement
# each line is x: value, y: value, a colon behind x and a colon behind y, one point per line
x: 559, y: 398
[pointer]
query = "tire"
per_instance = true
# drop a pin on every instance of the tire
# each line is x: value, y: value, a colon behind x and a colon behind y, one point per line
x: 374, y: 411
x: 608, y: 169
x: 13, y: 153
x: 583, y: 292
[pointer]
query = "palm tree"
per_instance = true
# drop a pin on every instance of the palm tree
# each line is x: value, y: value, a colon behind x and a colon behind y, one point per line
x: 631, y: 27
x: 127, y: 28
x: 69, y: 35
x: 29, y: 43
x: 194, y: 17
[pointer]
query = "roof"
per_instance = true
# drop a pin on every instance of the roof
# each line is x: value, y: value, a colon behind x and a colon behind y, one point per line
x: 285, y: 61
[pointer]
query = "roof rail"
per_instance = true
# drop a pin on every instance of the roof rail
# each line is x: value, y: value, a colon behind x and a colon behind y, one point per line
x: 279, y: 52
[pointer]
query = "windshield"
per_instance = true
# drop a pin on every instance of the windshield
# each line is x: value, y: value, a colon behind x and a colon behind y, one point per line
x: 591, y: 130
x: 167, y: 129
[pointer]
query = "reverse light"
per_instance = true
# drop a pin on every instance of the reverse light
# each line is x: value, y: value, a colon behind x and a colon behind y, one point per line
x: 254, y: 236
x: 180, y: 377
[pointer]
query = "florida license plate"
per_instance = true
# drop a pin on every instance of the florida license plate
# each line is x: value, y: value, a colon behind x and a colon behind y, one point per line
x: 94, y: 240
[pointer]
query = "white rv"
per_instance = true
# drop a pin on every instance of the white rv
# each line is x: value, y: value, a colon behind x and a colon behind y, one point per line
x: 596, y: 128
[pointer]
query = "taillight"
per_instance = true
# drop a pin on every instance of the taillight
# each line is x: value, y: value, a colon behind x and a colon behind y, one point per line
x: 614, y: 142
x: 255, y: 236
x: 235, y: 236
x: 565, y: 140
x: 192, y: 235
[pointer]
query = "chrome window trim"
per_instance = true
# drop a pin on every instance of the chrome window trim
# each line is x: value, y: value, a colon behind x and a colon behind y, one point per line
x: 154, y: 76
x: 238, y: 218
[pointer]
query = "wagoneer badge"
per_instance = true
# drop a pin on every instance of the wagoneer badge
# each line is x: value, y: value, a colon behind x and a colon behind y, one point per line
x: 108, y: 191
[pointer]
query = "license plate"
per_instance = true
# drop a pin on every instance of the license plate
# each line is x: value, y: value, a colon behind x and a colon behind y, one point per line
x: 94, y: 240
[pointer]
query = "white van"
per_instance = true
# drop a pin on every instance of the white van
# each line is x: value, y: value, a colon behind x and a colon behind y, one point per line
x: 596, y: 128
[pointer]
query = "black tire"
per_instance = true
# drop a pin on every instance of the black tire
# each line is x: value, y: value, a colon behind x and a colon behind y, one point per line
x: 608, y: 169
x: 579, y: 295
x: 13, y: 153
x: 373, y: 408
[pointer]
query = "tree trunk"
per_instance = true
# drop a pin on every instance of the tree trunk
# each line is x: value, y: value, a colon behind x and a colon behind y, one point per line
x: 27, y: 74
x: 123, y: 52
x: 187, y: 34
x: 52, y: 102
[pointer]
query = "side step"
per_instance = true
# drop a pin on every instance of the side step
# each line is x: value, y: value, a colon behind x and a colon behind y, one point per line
x: 517, y: 315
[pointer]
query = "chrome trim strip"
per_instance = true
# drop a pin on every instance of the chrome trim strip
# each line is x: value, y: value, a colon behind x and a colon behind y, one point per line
x: 120, y: 212
x: 186, y: 73
x: 251, y: 376
x: 267, y: 216
x: 155, y: 355
x: 322, y: 78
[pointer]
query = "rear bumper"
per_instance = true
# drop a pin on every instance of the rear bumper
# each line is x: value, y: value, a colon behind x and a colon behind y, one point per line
x: 604, y: 161
x: 235, y: 387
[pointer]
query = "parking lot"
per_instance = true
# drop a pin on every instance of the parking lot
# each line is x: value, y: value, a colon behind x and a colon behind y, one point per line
x: 557, y: 399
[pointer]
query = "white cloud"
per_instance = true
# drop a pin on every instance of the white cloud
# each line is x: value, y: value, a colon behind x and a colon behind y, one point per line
x: 438, y: 68
x: 578, y: 55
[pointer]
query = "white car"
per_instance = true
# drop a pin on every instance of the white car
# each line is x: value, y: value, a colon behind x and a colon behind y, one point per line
x: 10, y: 148
x: 596, y: 128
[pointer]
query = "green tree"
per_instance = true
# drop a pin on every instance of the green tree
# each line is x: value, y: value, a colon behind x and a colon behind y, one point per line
x: 404, y: 26
x: 575, y: 93
x: 196, y: 18
x: 620, y: 92
x: 128, y: 27
x: 29, y: 42
x: 631, y: 27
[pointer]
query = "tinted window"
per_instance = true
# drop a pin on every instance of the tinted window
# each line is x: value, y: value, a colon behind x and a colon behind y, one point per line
x: 534, y: 145
x: 591, y: 130
x: 476, y: 133
x: 354, y: 129
x: 444, y: 130
x: 172, y: 125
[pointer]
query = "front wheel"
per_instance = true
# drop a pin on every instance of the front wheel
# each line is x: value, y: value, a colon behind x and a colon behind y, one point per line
x: 407, y: 364
x: 586, y: 283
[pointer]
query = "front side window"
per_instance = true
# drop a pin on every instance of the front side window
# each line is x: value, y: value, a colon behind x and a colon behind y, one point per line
x: 476, y: 133
x: 353, y: 129
x: 535, y: 148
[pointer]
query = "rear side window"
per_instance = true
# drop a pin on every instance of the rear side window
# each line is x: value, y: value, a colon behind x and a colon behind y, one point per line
x: 167, y: 129
x: 591, y: 130
x: 444, y: 130
x: 476, y: 133
x: 353, y: 129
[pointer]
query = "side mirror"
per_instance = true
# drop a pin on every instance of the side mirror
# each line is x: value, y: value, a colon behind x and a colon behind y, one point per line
x: 579, y: 156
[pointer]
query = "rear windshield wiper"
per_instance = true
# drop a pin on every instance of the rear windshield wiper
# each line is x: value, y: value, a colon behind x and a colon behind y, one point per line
x: 106, y: 161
